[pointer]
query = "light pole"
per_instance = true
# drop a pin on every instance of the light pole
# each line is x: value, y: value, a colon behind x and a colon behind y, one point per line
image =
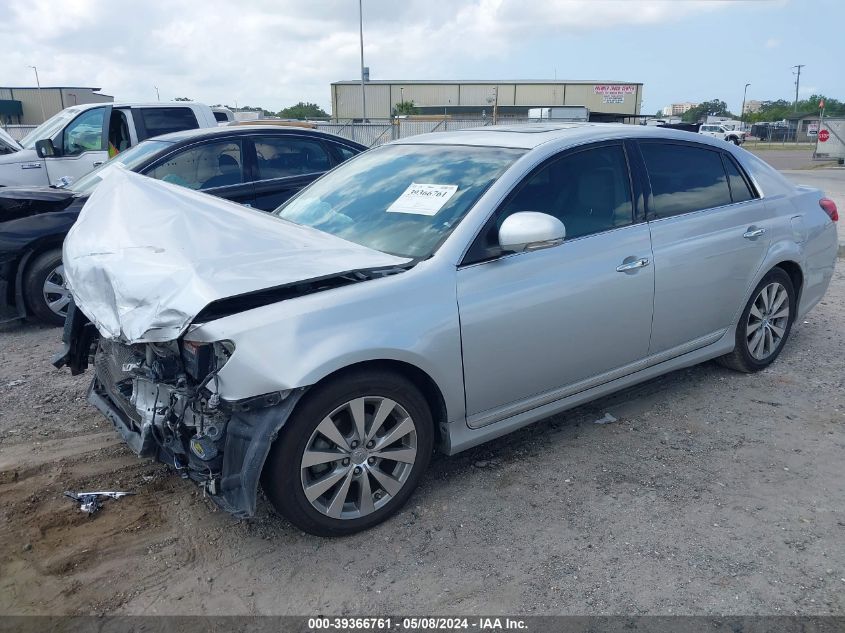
x: 158, y: 97
x: 742, y: 112
x: 40, y: 97
x: 361, y: 35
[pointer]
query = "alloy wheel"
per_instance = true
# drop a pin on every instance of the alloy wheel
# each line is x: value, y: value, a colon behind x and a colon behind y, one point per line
x: 55, y: 292
x: 359, y: 457
x: 767, y: 321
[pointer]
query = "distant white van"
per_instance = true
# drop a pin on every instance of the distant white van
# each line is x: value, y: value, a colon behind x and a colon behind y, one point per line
x: 76, y: 140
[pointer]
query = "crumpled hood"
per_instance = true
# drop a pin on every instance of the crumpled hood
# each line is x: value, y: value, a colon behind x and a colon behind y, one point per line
x: 22, y: 202
x: 145, y: 257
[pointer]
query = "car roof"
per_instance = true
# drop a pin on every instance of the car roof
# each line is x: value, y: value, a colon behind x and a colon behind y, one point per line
x: 246, y: 130
x: 531, y: 135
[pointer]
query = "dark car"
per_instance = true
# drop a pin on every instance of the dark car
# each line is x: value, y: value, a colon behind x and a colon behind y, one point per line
x: 259, y: 166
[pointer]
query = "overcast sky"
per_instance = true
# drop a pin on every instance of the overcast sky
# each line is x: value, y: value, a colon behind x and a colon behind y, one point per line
x: 274, y: 53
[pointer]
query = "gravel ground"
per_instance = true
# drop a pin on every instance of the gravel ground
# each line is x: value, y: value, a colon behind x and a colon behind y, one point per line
x: 713, y: 493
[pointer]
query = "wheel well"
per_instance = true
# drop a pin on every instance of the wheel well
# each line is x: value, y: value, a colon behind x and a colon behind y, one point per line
x: 430, y: 390
x: 795, y: 275
x: 24, y: 263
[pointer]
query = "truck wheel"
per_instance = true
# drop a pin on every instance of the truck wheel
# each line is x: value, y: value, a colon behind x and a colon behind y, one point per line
x: 44, y: 289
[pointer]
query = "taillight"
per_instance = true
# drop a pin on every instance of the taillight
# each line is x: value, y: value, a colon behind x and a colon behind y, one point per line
x: 829, y: 207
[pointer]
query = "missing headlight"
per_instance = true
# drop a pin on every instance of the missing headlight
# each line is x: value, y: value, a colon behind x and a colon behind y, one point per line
x: 200, y: 359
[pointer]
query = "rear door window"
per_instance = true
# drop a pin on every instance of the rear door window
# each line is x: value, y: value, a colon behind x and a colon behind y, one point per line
x: 684, y: 178
x: 283, y: 156
x: 165, y: 120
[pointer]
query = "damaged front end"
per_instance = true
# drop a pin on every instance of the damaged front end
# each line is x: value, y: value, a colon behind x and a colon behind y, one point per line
x: 163, y: 400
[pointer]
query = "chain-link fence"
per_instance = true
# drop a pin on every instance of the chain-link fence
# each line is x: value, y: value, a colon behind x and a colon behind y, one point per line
x: 17, y: 132
x: 377, y: 132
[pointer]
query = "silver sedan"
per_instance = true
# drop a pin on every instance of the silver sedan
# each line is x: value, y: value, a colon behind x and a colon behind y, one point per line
x: 436, y: 292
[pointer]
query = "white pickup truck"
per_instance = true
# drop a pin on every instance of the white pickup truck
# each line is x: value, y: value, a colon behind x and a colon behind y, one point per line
x: 76, y: 140
x: 736, y: 137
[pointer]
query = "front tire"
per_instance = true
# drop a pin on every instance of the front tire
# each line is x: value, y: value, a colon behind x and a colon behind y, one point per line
x: 764, y: 325
x: 44, y: 288
x: 351, y: 454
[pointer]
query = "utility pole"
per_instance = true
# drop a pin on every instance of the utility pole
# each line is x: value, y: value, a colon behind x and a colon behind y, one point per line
x: 742, y: 112
x: 361, y: 35
x: 40, y: 97
x: 797, y: 83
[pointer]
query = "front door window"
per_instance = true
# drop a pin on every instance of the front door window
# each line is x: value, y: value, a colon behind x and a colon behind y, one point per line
x: 84, y: 134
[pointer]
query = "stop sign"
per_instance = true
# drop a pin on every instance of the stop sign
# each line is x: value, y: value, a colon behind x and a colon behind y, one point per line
x: 824, y: 135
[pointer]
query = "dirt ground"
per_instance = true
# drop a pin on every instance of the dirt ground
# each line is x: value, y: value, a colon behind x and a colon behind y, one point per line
x: 713, y: 492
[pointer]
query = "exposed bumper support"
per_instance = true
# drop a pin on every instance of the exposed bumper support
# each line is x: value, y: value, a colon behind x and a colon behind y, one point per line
x: 250, y: 432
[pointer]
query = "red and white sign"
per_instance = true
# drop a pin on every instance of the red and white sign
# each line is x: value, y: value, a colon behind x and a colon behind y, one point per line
x: 614, y: 89
x: 824, y: 135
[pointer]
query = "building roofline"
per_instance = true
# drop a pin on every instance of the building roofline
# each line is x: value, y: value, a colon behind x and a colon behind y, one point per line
x: 49, y: 88
x: 347, y: 82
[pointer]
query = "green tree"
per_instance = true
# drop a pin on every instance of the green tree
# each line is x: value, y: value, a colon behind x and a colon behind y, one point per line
x: 183, y: 99
x: 782, y: 108
x: 404, y: 107
x: 303, y: 110
x: 699, y: 113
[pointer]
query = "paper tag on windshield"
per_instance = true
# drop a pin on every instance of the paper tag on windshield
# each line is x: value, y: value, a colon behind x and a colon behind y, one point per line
x: 423, y: 199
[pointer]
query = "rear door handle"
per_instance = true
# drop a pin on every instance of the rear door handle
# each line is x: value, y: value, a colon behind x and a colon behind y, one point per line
x: 751, y: 233
x: 98, y: 163
x: 637, y: 263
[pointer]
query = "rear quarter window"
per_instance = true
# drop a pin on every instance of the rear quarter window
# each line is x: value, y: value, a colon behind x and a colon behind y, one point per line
x: 740, y: 191
x: 159, y: 121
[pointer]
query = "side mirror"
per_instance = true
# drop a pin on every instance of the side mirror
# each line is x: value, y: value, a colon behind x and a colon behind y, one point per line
x: 529, y: 231
x: 44, y: 148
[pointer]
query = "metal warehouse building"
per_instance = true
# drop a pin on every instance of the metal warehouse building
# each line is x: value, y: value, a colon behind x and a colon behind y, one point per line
x: 22, y: 105
x: 606, y: 100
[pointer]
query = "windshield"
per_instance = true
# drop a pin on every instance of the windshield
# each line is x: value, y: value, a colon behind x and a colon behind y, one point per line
x: 49, y: 128
x: 128, y: 159
x: 400, y: 199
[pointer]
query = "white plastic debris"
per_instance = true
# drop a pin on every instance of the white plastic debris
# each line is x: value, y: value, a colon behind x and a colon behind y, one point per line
x: 89, y: 502
x: 607, y: 419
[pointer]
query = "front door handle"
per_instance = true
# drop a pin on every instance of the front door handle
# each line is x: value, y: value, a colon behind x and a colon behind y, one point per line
x: 633, y: 265
x: 98, y: 163
x: 751, y: 233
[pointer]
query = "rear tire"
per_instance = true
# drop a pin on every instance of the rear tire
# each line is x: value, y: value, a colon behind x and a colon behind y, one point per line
x: 764, y: 325
x: 330, y: 471
x: 43, y: 288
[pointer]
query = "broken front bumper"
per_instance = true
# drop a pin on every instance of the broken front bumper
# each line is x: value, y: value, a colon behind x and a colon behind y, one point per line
x: 219, y: 444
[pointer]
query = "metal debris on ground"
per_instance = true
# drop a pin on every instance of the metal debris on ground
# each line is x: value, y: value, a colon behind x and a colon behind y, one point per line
x: 607, y: 419
x: 89, y: 502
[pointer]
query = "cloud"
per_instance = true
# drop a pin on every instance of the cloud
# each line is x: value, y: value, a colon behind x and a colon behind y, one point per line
x: 772, y: 42
x: 277, y: 52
